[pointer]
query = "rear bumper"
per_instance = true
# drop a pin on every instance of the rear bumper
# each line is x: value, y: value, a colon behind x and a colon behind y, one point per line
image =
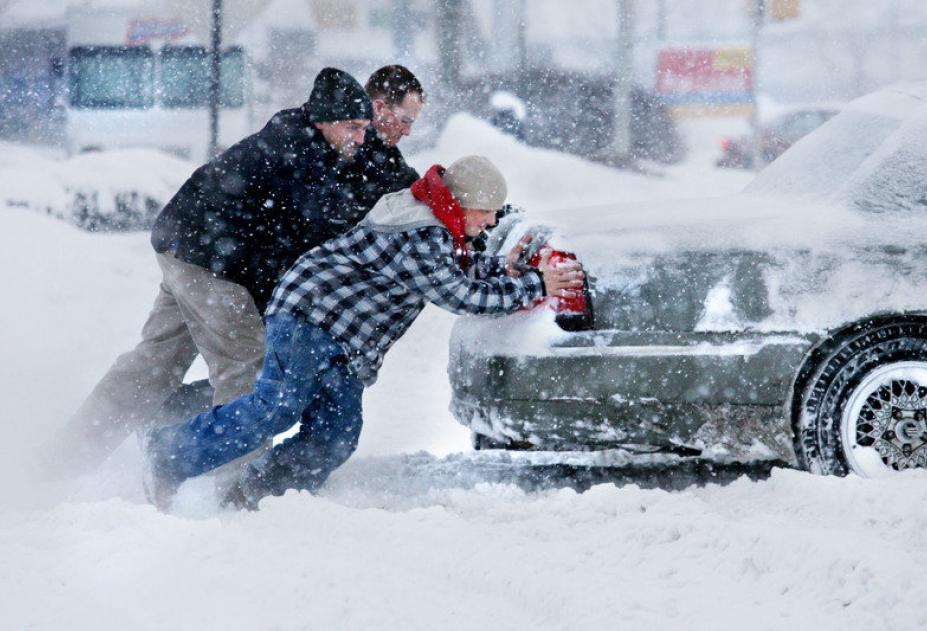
x: 724, y: 432
x: 722, y: 393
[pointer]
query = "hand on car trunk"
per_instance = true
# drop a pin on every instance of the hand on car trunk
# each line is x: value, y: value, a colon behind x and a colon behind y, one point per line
x: 562, y: 276
x: 513, y: 262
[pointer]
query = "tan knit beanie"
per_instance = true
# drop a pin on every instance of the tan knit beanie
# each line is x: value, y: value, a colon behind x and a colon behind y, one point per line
x: 475, y: 182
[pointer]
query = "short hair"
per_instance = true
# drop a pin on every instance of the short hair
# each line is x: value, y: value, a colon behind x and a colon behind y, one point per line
x: 392, y: 84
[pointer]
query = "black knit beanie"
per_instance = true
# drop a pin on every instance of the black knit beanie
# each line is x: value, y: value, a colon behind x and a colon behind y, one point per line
x: 337, y: 96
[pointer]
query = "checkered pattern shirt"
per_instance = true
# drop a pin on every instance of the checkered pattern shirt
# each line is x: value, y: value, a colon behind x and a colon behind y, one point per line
x: 367, y: 286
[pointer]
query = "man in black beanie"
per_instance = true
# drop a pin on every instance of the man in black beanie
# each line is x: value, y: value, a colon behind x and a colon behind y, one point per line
x: 222, y: 243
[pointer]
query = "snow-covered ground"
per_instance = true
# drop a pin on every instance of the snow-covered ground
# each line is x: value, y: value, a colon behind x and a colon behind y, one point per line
x: 409, y: 534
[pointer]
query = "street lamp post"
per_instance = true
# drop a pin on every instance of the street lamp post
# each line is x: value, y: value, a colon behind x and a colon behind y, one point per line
x: 215, y: 58
x: 759, y: 13
x: 450, y: 15
x: 624, y: 71
x: 403, y: 30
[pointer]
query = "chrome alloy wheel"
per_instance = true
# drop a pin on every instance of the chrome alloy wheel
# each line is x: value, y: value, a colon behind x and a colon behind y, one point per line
x: 884, y: 424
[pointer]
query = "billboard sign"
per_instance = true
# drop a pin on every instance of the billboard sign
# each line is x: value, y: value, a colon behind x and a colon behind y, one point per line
x: 705, y: 77
x: 147, y: 30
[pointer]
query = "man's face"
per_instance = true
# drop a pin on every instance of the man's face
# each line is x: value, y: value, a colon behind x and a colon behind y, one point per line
x: 476, y: 220
x: 394, y: 122
x: 344, y: 136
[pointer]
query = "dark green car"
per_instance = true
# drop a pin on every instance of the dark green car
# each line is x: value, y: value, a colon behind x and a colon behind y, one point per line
x: 786, y: 322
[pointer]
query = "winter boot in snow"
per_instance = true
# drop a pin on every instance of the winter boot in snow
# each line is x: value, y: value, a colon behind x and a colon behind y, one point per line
x: 236, y: 499
x: 159, y: 488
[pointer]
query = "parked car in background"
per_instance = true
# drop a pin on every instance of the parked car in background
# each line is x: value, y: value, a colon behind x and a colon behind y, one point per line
x: 572, y: 112
x: 787, y: 322
x: 775, y: 137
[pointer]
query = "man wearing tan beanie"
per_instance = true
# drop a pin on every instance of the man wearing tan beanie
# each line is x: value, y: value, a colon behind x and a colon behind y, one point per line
x: 331, y: 320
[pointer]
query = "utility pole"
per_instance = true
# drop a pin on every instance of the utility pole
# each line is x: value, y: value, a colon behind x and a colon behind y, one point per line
x: 624, y: 79
x: 508, y: 36
x: 661, y: 22
x: 759, y: 13
x: 215, y: 59
x: 895, y: 40
x: 450, y: 15
x: 403, y: 32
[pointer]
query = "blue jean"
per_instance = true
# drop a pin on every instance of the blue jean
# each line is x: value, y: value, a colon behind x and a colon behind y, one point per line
x: 306, y: 379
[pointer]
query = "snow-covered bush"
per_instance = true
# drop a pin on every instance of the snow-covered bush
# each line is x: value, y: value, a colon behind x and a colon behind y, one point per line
x: 106, y: 191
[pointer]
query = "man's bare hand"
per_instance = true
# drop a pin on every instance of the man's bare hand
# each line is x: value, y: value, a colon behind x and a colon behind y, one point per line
x: 562, y: 277
x: 511, y: 259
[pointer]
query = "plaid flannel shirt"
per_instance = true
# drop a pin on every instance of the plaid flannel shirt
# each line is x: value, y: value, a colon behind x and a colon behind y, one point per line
x: 367, y: 286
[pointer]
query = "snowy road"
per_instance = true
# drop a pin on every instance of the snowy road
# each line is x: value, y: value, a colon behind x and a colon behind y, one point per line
x: 416, y: 531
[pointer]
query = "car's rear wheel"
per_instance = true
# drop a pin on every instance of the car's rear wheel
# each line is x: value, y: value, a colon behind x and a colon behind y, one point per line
x: 864, y: 410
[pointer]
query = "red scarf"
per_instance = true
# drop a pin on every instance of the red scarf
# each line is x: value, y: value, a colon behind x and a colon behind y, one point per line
x: 430, y: 190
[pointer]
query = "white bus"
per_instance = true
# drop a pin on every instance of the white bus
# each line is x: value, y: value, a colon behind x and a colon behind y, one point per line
x: 136, y: 80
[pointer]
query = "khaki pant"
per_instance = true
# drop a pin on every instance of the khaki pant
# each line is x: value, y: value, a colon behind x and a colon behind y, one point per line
x: 194, y: 312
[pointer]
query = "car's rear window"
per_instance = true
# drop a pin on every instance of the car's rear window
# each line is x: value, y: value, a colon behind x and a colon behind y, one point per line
x: 895, y: 176
x: 822, y: 163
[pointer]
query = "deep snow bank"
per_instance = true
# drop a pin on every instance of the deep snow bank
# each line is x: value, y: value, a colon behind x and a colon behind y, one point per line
x: 112, y: 190
x: 795, y: 551
x: 544, y: 180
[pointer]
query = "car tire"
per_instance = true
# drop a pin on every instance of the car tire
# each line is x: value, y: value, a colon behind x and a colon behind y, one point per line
x: 864, y: 408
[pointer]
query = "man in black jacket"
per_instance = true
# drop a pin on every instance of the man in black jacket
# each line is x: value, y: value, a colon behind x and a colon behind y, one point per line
x: 222, y: 243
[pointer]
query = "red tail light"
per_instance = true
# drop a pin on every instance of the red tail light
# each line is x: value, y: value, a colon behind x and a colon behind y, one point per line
x: 574, y: 311
x: 575, y: 301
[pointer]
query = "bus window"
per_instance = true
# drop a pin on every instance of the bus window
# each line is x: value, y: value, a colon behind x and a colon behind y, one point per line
x: 111, y: 77
x: 185, y: 77
x: 232, y: 76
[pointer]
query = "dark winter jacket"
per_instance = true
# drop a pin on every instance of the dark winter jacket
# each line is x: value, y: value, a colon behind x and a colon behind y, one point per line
x: 248, y: 214
x: 380, y: 168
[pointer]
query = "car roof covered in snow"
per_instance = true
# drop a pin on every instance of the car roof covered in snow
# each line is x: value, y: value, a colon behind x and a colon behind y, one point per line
x: 840, y: 161
x: 858, y: 181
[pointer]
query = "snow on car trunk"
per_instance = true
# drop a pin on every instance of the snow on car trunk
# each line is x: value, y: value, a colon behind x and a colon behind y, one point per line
x: 839, y: 215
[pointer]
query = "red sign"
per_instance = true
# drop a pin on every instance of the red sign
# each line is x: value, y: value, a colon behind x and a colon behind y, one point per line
x: 146, y: 30
x: 705, y: 76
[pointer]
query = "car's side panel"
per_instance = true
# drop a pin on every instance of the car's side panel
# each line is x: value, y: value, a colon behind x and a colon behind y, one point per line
x: 610, y: 388
x: 707, y: 368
